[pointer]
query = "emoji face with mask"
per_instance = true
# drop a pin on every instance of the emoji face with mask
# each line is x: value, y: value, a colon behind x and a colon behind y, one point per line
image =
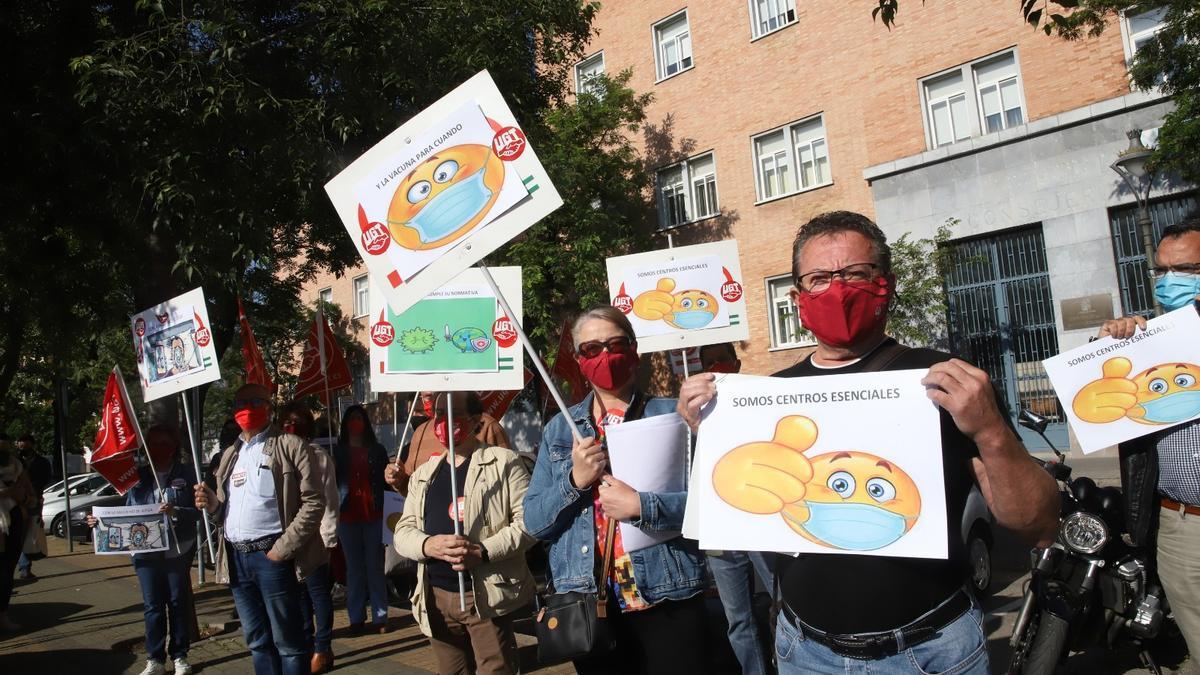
x: 1165, y: 394
x: 687, y: 309
x: 445, y: 196
x: 847, y: 500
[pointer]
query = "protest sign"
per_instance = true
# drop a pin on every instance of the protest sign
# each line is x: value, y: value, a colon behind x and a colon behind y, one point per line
x: 393, y: 508
x: 847, y: 464
x: 1115, y: 390
x: 435, y: 196
x: 681, y: 297
x: 174, y: 346
x: 456, y: 339
x: 130, y: 529
x: 650, y: 455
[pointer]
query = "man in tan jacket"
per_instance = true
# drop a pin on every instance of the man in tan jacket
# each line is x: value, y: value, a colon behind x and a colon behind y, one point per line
x: 269, y: 503
x: 491, y: 483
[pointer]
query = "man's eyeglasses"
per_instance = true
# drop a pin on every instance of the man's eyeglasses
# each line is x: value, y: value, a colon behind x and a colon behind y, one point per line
x: 819, y: 281
x: 240, y: 403
x: 1186, y: 268
x: 615, y: 345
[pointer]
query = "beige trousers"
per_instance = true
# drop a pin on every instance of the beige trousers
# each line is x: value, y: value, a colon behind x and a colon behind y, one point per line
x: 1179, y: 570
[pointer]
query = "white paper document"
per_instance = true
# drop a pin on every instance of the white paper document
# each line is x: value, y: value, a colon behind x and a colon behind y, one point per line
x: 650, y: 455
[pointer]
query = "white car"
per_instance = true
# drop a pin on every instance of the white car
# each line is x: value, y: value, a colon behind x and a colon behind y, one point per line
x: 54, y: 500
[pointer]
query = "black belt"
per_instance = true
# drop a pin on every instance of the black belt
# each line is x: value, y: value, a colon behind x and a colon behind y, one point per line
x: 255, y: 545
x: 884, y: 643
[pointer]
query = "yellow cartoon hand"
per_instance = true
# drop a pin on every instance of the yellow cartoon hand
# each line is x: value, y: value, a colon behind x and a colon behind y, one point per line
x: 1109, y: 398
x: 654, y: 305
x: 766, y: 476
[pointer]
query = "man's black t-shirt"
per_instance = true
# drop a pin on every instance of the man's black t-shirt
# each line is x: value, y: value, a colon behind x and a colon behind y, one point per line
x: 438, y: 521
x: 844, y: 594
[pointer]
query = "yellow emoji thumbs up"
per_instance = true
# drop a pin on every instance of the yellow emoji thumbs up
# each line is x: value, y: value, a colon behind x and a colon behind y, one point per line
x: 764, y: 477
x: 654, y: 304
x: 1109, y: 398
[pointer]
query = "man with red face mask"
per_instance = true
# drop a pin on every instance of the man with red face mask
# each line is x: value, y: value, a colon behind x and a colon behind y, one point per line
x: 425, y: 445
x: 269, y: 501
x: 896, y: 613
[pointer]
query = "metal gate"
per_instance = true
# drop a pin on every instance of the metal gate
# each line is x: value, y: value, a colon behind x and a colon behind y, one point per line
x: 1136, y: 289
x: 1001, y: 316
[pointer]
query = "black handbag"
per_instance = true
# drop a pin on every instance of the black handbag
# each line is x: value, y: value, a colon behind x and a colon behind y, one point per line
x: 573, y: 625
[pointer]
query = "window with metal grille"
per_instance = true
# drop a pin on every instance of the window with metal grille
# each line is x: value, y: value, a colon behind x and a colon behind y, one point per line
x: 1137, y: 290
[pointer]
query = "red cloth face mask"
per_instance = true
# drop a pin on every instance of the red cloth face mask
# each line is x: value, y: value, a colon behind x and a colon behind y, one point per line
x: 356, y: 426
x: 722, y: 367
x: 427, y: 406
x: 161, y: 456
x: 250, y: 419
x: 609, y: 370
x: 289, y: 428
x: 440, y: 428
x: 845, y: 313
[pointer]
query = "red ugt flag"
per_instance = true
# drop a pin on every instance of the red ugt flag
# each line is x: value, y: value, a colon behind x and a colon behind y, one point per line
x: 117, y: 438
x: 324, y: 366
x: 256, y: 367
x: 566, y: 367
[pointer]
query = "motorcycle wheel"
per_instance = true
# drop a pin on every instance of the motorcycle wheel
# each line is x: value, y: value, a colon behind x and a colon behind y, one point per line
x: 1048, y: 645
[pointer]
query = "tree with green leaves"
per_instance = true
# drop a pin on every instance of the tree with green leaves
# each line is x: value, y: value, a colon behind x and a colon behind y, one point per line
x: 1170, y: 62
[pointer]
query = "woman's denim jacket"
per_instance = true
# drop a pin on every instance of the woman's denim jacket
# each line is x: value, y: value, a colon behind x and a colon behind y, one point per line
x: 178, y: 491
x: 557, y: 512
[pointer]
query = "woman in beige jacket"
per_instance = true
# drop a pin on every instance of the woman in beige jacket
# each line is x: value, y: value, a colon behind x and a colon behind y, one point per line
x: 491, y: 484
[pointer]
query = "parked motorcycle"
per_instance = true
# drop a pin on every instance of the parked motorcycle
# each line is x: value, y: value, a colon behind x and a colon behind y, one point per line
x: 1090, y: 586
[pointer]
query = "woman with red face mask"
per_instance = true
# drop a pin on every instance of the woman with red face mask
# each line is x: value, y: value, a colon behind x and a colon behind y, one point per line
x: 360, y: 462
x: 654, y: 595
x: 490, y: 483
x: 165, y: 576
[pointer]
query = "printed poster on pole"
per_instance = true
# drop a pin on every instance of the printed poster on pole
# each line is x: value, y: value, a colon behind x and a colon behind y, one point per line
x: 680, y: 297
x: 174, y: 346
x: 435, y: 196
x: 457, y: 338
x: 787, y: 465
x: 1116, y: 390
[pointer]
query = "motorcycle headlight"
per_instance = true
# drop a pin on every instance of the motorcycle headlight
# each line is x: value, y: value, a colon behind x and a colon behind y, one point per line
x: 1083, y: 532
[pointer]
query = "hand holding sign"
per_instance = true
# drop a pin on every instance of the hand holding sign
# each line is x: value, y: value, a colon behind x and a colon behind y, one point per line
x: 1109, y: 398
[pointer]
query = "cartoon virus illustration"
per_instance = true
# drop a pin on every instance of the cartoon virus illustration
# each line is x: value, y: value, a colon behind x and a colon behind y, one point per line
x: 845, y: 499
x: 469, y: 340
x: 1164, y: 394
x: 417, y: 340
x: 445, y: 196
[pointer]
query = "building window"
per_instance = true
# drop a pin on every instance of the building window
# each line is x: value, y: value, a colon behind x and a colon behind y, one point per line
x: 360, y: 385
x: 325, y: 297
x: 785, y: 319
x: 976, y: 98
x: 792, y: 159
x: 672, y: 45
x: 1143, y: 28
x: 362, y: 296
x: 687, y: 191
x: 768, y: 16
x: 586, y: 72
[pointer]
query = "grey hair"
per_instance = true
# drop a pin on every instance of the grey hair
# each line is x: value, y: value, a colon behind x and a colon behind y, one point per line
x: 836, y: 222
x: 604, y: 313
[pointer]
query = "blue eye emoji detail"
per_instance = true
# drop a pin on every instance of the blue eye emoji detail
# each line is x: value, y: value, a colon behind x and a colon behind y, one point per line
x: 1158, y: 385
x: 1185, y: 380
x: 881, y: 490
x: 419, y: 191
x: 445, y: 171
x: 842, y: 483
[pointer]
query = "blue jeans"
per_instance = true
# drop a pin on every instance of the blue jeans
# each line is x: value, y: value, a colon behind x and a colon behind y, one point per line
x: 267, y: 596
x: 362, y: 544
x: 734, y: 573
x: 318, y: 605
x: 24, y: 563
x: 958, y: 648
x: 166, y: 590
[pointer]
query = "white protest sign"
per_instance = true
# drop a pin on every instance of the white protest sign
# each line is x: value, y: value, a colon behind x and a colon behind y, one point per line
x: 129, y: 529
x: 174, y: 346
x: 681, y: 297
x: 650, y: 455
x: 393, y: 508
x: 846, y: 464
x: 1115, y: 390
x: 457, y: 338
x: 452, y: 184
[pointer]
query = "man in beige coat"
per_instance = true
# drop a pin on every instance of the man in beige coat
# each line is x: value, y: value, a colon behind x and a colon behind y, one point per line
x: 269, y: 503
x: 491, y: 483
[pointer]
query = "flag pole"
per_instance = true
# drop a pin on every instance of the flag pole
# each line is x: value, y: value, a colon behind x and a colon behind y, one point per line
x: 137, y: 425
x: 187, y: 416
x: 324, y: 371
x: 407, y: 425
x: 537, y: 360
x: 462, y: 581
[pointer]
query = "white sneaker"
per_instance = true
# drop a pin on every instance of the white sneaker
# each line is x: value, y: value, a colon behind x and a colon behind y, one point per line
x: 153, y: 668
x: 182, y: 667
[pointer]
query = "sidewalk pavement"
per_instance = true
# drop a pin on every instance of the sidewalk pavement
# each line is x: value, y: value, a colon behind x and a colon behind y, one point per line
x: 86, y: 610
